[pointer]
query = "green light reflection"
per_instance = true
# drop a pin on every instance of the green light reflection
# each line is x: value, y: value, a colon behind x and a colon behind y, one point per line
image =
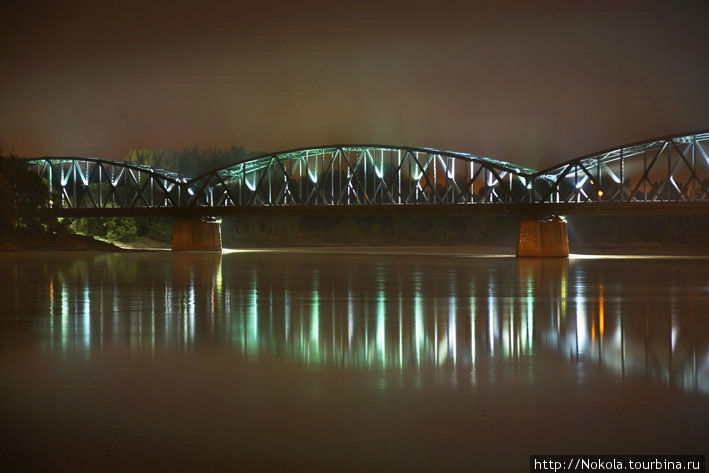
x: 414, y: 324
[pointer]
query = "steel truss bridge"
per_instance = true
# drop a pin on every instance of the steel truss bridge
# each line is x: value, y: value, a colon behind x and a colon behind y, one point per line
x: 664, y: 175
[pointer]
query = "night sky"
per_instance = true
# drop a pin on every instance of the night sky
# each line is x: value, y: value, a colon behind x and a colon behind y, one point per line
x: 502, y: 79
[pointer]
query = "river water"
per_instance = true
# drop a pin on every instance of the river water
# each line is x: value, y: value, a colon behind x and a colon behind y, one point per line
x: 347, y: 360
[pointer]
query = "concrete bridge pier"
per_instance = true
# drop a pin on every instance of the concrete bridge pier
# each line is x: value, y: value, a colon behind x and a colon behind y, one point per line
x: 543, y: 238
x: 190, y: 234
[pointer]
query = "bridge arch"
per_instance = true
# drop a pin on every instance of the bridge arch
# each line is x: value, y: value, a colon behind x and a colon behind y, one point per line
x: 673, y: 168
x: 99, y: 183
x: 362, y: 175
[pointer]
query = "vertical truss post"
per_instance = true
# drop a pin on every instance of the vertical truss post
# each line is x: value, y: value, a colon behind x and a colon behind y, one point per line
x: 576, y: 183
x: 417, y: 181
x: 398, y: 162
x: 125, y: 189
x: 61, y: 182
x: 268, y: 170
x: 598, y: 181
x: 300, y: 178
x: 113, y: 190
x: 645, y: 174
x: 323, y: 167
x: 510, y: 176
x: 622, y: 177
x: 435, y: 181
x: 73, y: 178
x: 49, y: 170
x: 694, y: 168
x: 100, y: 185
x: 242, y: 184
x: 349, y: 176
x: 669, y: 172
x: 381, y: 167
x: 332, y: 178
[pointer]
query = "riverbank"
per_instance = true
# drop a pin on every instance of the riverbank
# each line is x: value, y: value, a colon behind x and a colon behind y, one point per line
x: 639, y: 248
x: 57, y: 242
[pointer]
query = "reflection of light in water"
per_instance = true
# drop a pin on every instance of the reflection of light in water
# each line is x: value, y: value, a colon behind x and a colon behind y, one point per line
x: 438, y: 346
x: 491, y: 321
x: 168, y: 310
x: 401, y: 332
x: 530, y: 312
x: 381, y: 314
x: 581, y: 333
x: 188, y: 321
x: 314, y: 345
x: 563, y: 296
x: 472, y: 325
x: 152, y: 318
x: 418, y: 324
x: 452, y: 348
x: 86, y: 315
x: 673, y: 322
x: 350, y: 317
x: 601, y: 312
x: 51, y: 310
x: 65, y: 317
x: 421, y: 341
x: 218, y: 280
x: 286, y: 313
x: 581, y: 320
x: 252, y: 320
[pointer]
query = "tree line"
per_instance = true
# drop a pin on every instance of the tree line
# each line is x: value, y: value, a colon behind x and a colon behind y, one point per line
x: 189, y: 162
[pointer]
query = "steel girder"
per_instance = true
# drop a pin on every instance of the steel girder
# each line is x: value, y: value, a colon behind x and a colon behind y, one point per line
x: 671, y: 169
x: 362, y: 175
x: 98, y: 183
x: 668, y: 169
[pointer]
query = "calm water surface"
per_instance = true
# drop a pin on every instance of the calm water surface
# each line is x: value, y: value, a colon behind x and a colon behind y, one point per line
x: 367, y: 361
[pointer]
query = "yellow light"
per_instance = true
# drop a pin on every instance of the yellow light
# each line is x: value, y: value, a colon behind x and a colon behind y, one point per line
x: 600, y: 193
x: 601, y: 315
x: 593, y: 329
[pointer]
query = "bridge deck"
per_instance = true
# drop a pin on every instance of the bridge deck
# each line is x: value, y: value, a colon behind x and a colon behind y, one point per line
x: 537, y: 209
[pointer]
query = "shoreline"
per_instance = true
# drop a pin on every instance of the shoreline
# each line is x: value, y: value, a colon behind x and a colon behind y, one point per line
x: 87, y: 243
x: 57, y: 243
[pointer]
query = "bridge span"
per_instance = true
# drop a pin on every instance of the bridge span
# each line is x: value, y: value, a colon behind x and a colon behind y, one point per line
x: 666, y: 175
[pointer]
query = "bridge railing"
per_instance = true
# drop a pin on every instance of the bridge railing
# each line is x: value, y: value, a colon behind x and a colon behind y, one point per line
x: 362, y: 175
x: 671, y: 169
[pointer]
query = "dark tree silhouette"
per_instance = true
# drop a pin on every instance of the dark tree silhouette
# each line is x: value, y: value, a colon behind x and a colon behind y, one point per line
x: 23, y: 194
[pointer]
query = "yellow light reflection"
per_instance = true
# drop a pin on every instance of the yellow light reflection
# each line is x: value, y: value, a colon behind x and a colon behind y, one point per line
x: 601, y: 312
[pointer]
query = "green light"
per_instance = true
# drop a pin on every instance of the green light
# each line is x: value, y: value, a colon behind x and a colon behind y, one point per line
x: 252, y: 321
x: 381, y: 317
x: 65, y: 318
x: 418, y: 326
x: 86, y: 316
x: 452, y: 341
x: 314, y: 344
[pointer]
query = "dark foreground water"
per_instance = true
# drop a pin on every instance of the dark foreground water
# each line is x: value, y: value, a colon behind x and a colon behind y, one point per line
x: 374, y: 361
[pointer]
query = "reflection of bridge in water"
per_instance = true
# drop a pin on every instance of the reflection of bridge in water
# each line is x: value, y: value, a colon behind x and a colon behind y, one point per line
x: 664, y: 175
x: 389, y: 316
